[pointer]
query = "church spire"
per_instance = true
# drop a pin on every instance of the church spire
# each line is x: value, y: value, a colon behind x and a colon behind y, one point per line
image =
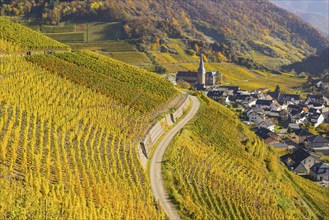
x: 201, y: 71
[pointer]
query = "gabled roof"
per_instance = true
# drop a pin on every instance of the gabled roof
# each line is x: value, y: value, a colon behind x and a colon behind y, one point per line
x: 267, y: 122
x: 233, y: 88
x: 320, y: 168
x: 302, y: 133
x: 298, y: 156
x: 263, y: 133
x: 215, y: 93
x: 274, y: 95
x: 187, y: 74
x: 317, y: 139
x: 242, y: 96
x: 290, y: 96
x: 264, y: 102
x: 315, y: 96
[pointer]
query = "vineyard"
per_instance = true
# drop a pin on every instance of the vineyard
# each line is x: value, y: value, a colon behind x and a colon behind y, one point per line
x: 68, y: 36
x: 26, y: 38
x: 127, y: 84
x: 218, y: 169
x: 67, y: 151
x: 7, y: 47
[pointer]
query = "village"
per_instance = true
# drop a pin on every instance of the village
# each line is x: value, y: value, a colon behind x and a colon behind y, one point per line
x: 283, y: 121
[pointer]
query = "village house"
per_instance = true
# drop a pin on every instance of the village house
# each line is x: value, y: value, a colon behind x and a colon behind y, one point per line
x: 320, y: 172
x: 283, y: 115
x: 268, y: 136
x: 317, y: 144
x: 215, y: 95
x: 268, y: 124
x: 256, y: 116
x: 233, y: 89
x: 299, y: 136
x: 291, y: 98
x: 249, y: 102
x: 317, y: 119
x: 317, y: 99
x: 264, y: 104
x: 300, y: 161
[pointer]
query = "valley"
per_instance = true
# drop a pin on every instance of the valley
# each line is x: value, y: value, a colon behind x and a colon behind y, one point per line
x: 145, y: 110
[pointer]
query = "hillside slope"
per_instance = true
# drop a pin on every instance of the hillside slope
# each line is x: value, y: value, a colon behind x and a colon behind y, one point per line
x: 314, y: 12
x: 27, y: 39
x: 218, y: 169
x: 220, y: 19
x: 68, y: 135
x: 315, y: 65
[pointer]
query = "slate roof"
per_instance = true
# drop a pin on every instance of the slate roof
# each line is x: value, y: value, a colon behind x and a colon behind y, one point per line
x: 302, y: 133
x: 274, y: 95
x: 290, y: 96
x: 315, y: 96
x: 215, y: 93
x: 187, y: 74
x: 317, y: 139
x: 267, y: 122
x: 263, y: 133
x: 298, y: 156
x: 233, y: 88
x: 242, y: 96
x: 263, y: 102
x: 320, y: 168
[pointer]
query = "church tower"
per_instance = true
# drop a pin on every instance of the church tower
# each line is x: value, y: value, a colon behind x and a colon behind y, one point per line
x: 201, y: 72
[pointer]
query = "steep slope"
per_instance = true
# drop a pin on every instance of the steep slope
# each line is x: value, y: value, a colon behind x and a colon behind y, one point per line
x: 25, y: 38
x: 127, y: 84
x: 68, y: 140
x: 315, y: 65
x: 314, y: 12
x: 220, y: 19
x: 218, y: 169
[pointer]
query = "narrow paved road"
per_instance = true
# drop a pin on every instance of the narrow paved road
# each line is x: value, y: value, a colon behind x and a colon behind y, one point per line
x: 157, y: 184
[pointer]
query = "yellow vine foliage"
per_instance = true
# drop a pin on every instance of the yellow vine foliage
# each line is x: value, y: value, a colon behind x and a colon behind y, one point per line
x: 66, y: 151
x: 218, y: 169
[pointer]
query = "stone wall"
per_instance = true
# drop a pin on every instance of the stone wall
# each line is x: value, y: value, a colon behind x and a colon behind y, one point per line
x: 157, y: 130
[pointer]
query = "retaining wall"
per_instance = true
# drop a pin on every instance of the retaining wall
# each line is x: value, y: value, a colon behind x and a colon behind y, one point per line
x: 157, y: 130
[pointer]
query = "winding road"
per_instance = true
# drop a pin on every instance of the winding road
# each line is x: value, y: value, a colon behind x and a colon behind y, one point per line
x: 157, y: 183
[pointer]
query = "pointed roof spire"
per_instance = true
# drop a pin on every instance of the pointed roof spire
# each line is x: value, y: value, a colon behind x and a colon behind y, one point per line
x: 201, y: 66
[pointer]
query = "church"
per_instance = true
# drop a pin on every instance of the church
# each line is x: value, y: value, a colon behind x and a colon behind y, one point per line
x: 199, y: 79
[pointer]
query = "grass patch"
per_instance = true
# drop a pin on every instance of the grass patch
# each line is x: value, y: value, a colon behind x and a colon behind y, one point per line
x: 287, y: 83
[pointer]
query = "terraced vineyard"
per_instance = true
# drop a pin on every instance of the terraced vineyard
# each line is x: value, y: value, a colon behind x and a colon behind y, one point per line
x: 218, y: 169
x: 66, y: 151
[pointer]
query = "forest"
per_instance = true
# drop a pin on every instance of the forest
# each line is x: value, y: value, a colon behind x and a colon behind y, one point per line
x: 237, y: 24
